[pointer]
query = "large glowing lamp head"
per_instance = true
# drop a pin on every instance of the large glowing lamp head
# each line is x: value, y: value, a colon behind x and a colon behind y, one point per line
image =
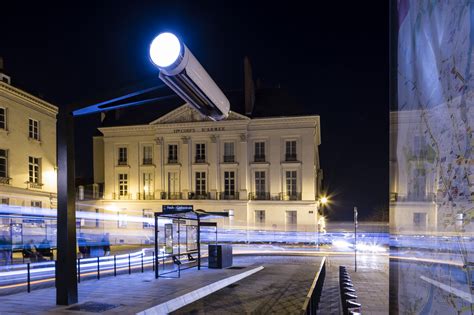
x: 165, y: 50
x: 324, y: 200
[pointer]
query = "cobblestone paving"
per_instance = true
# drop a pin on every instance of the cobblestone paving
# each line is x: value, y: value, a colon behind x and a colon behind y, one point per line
x: 278, y: 289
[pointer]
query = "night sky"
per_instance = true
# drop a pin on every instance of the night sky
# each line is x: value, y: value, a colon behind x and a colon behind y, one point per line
x: 332, y: 58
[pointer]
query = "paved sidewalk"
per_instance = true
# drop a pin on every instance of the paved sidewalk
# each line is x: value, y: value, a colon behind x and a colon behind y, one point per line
x: 128, y: 294
x: 280, y: 288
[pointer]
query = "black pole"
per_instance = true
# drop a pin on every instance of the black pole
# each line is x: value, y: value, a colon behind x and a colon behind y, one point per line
x: 98, y: 268
x: 355, y: 239
x: 129, y: 266
x: 79, y: 270
x: 142, y: 262
x: 115, y: 265
x: 155, y: 254
x: 28, y: 277
x: 66, y: 280
x: 199, y: 242
x: 153, y: 261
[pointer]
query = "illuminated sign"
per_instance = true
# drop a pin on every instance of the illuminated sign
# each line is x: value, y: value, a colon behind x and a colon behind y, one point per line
x: 203, y: 129
x: 177, y: 208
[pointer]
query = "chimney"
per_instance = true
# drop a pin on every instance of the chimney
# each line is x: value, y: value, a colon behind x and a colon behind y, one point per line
x: 249, y: 87
x: 3, y: 77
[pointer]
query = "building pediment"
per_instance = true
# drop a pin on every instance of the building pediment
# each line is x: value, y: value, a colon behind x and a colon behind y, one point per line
x: 187, y: 113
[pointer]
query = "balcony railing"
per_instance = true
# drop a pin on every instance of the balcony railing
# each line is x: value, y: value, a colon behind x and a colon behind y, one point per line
x: 5, y: 180
x: 229, y: 159
x: 290, y: 196
x: 171, y: 196
x: 122, y: 162
x: 259, y: 158
x: 199, y: 195
x: 90, y: 192
x: 147, y: 161
x: 146, y: 196
x: 172, y: 160
x: 230, y: 195
x: 34, y: 185
x: 259, y: 196
x: 200, y: 159
x: 290, y: 157
x: 117, y: 196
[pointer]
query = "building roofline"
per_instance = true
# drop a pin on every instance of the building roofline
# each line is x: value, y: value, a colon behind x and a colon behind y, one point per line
x: 29, y: 98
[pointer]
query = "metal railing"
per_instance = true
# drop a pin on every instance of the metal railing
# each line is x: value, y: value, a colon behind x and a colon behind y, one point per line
x: 234, y: 195
x: 290, y: 157
x: 117, y: 196
x: 145, y: 196
x: 5, y: 180
x: 311, y: 303
x: 259, y: 158
x: 200, y: 159
x: 199, y: 195
x: 122, y: 162
x: 148, y: 161
x: 290, y: 196
x: 171, y: 196
x: 34, y: 185
x: 172, y: 160
x: 229, y: 158
x: 259, y: 196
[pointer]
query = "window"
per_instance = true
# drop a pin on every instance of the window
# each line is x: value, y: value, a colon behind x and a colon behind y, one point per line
x: 3, y: 118
x: 291, y: 183
x: 260, y: 216
x: 229, y: 184
x: 148, y: 219
x: 228, y: 152
x: 121, y: 220
x: 260, y: 190
x: 291, y: 217
x: 419, y: 219
x: 259, y: 151
x: 36, y: 204
x: 4, y: 201
x: 172, y: 153
x: 122, y: 156
x: 33, y: 129
x: 147, y: 185
x: 147, y: 155
x: 200, y: 152
x: 34, y: 166
x: 123, y: 184
x: 3, y: 164
x: 290, y: 150
x: 200, y: 183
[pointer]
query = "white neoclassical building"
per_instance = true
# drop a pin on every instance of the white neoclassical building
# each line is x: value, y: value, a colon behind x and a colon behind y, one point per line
x: 28, y: 174
x: 264, y: 171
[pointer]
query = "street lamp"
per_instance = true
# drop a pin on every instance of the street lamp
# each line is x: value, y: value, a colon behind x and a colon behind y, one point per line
x: 181, y: 71
x: 322, y: 202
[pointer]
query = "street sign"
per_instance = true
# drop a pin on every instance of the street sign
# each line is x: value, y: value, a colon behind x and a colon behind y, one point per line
x: 177, y: 208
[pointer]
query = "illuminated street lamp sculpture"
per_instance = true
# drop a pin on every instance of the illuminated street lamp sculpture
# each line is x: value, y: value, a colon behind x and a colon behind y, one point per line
x: 321, y: 220
x: 181, y: 71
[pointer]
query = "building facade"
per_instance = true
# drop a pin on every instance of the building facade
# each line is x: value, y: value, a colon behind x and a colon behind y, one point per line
x: 28, y: 174
x: 264, y: 172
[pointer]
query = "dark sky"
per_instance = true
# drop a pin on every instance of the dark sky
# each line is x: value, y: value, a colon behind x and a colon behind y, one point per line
x: 332, y: 57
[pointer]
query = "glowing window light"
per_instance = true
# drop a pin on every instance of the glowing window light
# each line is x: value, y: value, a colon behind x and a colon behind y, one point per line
x: 165, y: 50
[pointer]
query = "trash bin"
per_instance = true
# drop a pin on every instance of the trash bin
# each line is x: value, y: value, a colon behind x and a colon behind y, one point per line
x: 220, y: 256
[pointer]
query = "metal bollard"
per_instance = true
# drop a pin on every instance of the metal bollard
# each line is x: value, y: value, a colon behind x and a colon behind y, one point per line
x: 98, y: 269
x: 79, y: 270
x: 115, y: 265
x: 28, y: 277
x: 129, y: 266
x: 142, y: 262
x: 153, y: 261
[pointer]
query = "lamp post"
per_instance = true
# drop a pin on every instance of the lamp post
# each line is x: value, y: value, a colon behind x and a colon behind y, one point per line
x: 322, y: 202
x: 194, y: 86
x: 355, y: 238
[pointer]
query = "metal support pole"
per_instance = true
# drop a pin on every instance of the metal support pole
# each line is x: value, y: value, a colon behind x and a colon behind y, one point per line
x: 79, y: 270
x: 153, y: 262
x: 66, y: 275
x: 355, y: 239
x: 199, y: 242
x: 129, y: 265
x: 155, y: 253
x: 142, y: 262
x: 115, y: 265
x: 28, y: 277
x: 98, y: 269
